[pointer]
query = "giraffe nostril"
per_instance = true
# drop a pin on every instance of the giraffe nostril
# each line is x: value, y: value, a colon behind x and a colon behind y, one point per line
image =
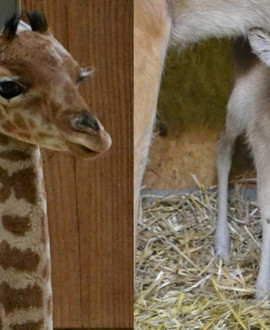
x: 82, y: 123
x: 89, y: 122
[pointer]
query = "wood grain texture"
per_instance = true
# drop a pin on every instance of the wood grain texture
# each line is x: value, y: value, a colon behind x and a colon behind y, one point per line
x: 90, y: 203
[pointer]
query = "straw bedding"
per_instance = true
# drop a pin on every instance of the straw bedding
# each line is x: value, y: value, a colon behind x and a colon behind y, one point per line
x: 180, y: 284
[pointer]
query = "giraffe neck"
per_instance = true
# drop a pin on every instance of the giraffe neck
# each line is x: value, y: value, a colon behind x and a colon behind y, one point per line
x: 25, y: 280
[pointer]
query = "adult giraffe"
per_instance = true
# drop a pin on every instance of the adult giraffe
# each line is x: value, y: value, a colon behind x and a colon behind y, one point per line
x: 158, y: 23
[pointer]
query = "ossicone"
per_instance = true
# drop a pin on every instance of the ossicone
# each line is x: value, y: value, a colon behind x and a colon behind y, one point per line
x: 36, y: 20
x: 10, y: 27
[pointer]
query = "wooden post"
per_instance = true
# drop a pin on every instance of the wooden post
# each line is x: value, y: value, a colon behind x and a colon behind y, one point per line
x: 90, y: 203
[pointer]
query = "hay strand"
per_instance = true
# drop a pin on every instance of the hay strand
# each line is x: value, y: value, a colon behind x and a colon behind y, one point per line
x: 180, y: 284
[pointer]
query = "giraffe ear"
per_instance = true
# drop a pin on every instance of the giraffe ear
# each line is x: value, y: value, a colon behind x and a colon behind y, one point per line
x: 37, y: 21
x: 10, y: 27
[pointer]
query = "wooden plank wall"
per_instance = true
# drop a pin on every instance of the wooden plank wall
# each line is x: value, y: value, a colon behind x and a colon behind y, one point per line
x: 90, y: 203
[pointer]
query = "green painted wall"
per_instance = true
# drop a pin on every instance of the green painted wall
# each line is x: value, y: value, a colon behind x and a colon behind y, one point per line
x: 196, y: 86
x: 7, y: 8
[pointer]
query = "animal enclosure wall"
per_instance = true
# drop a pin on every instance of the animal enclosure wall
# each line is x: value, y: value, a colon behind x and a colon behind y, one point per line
x: 8, y: 7
x: 191, y: 112
x: 90, y: 203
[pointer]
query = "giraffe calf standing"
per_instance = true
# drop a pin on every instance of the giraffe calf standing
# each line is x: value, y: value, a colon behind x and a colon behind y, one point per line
x: 39, y: 106
x: 248, y: 111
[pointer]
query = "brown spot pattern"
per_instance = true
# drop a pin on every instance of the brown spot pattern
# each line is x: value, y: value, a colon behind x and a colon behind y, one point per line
x: 31, y: 123
x: 22, y: 182
x: 1, y: 324
x: 25, y: 136
x: 42, y: 136
x: 8, y: 126
x: 4, y: 140
x: 19, y: 121
x: 14, y: 155
x: 28, y: 326
x: 13, y: 299
x: 26, y: 260
x: 16, y: 225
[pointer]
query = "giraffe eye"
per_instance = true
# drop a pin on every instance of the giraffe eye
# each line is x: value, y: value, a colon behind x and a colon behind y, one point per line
x: 10, y: 89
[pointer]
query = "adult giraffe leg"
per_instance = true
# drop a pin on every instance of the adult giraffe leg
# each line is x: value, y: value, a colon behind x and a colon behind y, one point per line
x: 152, y: 28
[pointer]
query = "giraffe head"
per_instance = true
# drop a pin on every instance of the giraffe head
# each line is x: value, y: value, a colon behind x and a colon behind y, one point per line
x: 39, y: 100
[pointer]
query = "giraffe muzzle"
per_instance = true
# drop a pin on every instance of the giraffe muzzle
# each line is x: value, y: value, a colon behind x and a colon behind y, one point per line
x: 85, y: 136
x: 85, y: 122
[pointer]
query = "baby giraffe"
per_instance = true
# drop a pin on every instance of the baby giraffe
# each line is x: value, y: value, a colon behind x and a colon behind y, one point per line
x: 39, y: 107
x: 248, y: 111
